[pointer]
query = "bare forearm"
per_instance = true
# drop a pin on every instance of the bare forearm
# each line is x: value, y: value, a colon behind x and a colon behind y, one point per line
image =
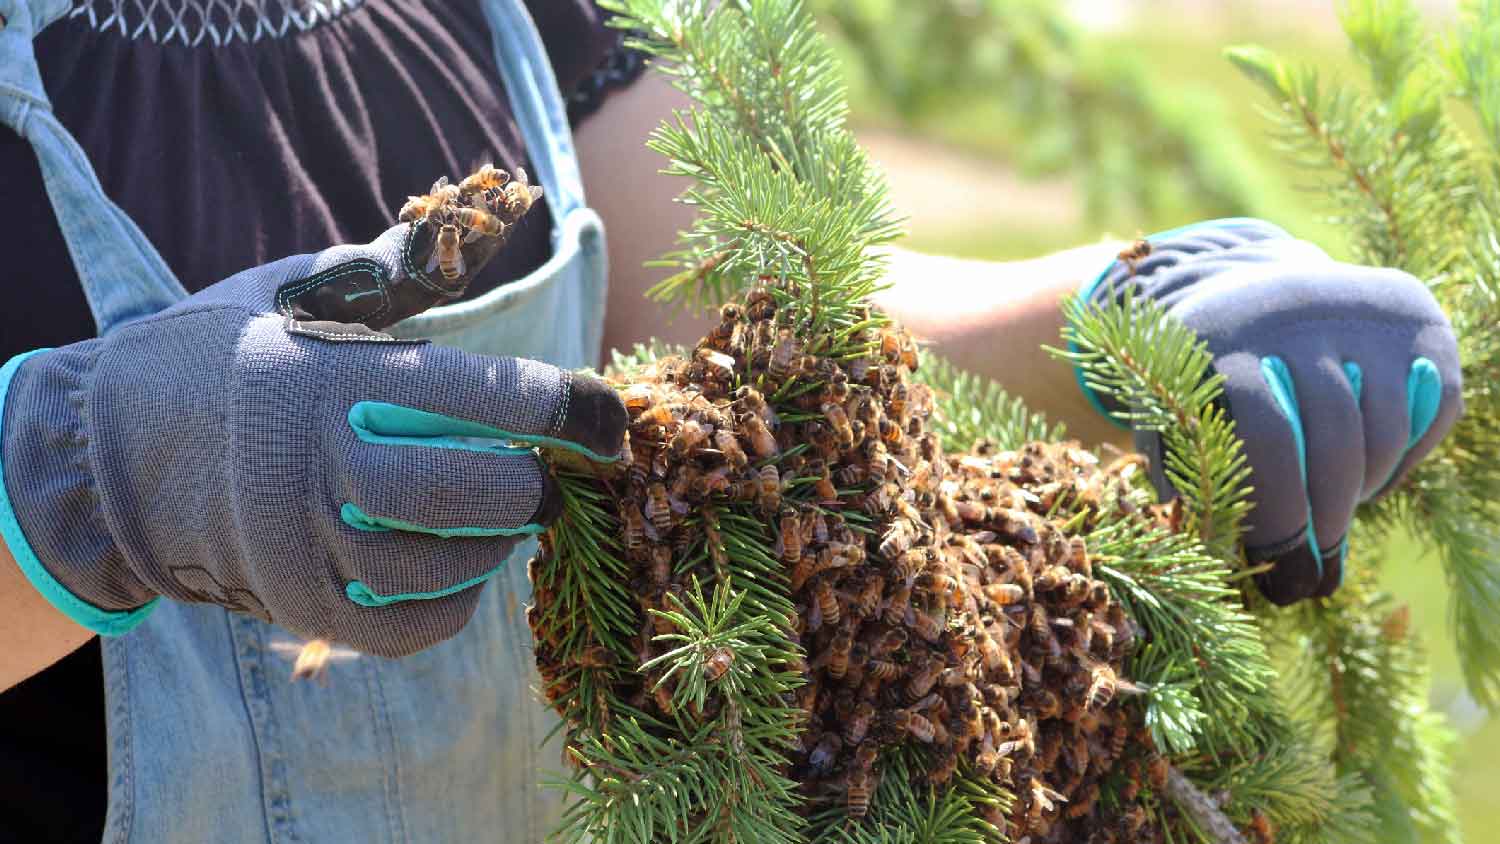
x: 993, y: 319
x: 33, y: 634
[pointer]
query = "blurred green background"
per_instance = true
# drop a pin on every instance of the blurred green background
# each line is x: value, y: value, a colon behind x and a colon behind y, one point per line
x: 979, y: 177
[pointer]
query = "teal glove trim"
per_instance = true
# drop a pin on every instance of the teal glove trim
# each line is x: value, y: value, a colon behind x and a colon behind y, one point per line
x: 1086, y: 294
x: 384, y: 423
x: 101, y: 621
x: 360, y: 594
x: 1424, y: 395
x: 1356, y: 378
x: 1283, y: 390
x: 358, y: 519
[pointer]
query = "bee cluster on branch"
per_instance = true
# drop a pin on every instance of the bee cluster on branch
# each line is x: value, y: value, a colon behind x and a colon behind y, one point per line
x: 944, y: 602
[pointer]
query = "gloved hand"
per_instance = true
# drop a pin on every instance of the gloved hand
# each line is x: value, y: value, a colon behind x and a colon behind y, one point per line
x: 1339, y: 378
x: 262, y: 446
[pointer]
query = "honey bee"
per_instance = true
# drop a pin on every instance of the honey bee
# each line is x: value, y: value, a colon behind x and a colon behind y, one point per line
x: 660, y: 415
x: 857, y: 796
x: 663, y: 695
x: 1078, y: 557
x: 910, y: 564
x: 923, y: 678
x: 721, y: 336
x: 870, y: 594
x: 802, y: 570
x: 1004, y: 594
x: 996, y: 660
x: 658, y: 508
x: 858, y: 723
x: 897, y: 539
x: 839, y: 421
x: 1157, y: 769
x: 718, y: 664
x: 310, y: 659
x: 783, y: 353
x: 690, y: 435
x: 519, y: 195
x: 942, y: 771
x: 899, y: 604
x: 638, y: 397
x: 728, y: 445
x: 635, y: 525
x: 882, y: 670
x: 1102, y: 684
x: 480, y: 223
x: 838, y: 658
x: 927, y: 626
x: 915, y: 723
x: 791, y: 535
x: 1133, y: 253
x: 661, y: 565
x: 1261, y: 829
x: 828, y: 601
x: 762, y: 442
x: 419, y: 208
x: 1083, y: 802
x: 717, y: 366
x: 487, y: 177
x: 825, y: 752
x: 768, y: 496
x: 446, y: 255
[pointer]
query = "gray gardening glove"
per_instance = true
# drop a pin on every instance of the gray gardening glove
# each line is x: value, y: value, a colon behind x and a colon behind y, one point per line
x: 1339, y: 378
x: 262, y: 446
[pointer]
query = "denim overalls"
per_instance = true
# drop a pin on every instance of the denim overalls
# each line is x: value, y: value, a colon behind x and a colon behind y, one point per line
x: 209, y: 738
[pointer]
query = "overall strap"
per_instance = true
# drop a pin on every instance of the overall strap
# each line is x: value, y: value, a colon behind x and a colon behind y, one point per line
x: 536, y: 102
x: 123, y: 275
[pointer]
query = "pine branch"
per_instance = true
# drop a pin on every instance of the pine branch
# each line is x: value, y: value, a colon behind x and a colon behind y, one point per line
x: 971, y: 409
x: 1156, y: 369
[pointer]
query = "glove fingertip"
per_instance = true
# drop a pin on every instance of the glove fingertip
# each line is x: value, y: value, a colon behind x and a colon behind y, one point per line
x: 594, y: 417
x: 1333, y: 570
x: 1296, y: 575
x: 551, y: 505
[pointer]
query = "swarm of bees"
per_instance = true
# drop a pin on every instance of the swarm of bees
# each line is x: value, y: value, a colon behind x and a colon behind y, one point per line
x: 486, y: 203
x: 941, y: 600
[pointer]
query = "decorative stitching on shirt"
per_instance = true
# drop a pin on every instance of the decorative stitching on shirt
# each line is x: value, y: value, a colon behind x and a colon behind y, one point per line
x: 216, y: 22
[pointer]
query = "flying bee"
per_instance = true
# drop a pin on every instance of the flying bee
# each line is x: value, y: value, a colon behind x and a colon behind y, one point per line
x: 446, y: 255
x: 479, y: 222
x: 828, y: 601
x: 310, y: 659
x: 762, y: 442
x: 519, y: 195
x: 718, y: 664
x: 1133, y: 253
x: 839, y: 421
x: 838, y: 655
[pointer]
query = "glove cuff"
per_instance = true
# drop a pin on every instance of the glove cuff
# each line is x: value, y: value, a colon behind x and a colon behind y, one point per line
x: 50, y: 514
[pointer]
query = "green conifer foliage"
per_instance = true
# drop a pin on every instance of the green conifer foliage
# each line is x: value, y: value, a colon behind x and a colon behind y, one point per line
x: 1310, y: 721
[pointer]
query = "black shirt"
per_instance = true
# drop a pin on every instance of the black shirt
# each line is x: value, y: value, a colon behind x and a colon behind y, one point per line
x: 229, y: 155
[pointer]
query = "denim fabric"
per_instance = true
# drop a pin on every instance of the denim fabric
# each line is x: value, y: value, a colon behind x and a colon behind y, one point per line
x: 209, y: 738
